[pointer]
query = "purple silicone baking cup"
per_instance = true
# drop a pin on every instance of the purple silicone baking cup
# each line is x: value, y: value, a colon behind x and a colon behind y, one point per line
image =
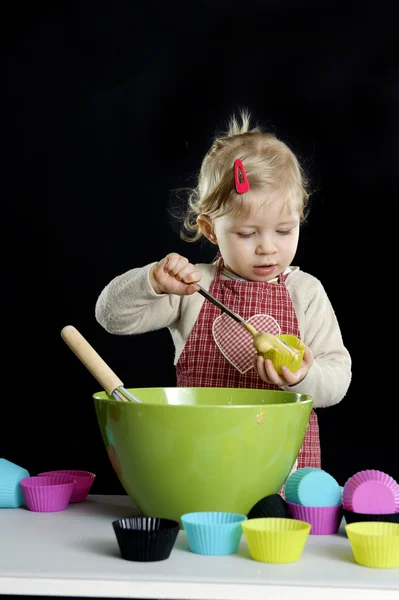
x: 84, y: 481
x: 50, y: 493
x: 325, y: 520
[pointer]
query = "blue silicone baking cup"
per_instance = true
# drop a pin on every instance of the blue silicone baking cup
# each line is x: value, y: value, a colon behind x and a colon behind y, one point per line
x: 11, y: 494
x: 213, y: 533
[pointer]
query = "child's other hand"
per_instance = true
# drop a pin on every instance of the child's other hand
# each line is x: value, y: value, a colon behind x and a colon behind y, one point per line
x: 268, y: 373
x: 174, y: 274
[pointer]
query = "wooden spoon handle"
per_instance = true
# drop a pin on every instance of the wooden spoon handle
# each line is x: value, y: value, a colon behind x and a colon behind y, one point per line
x: 89, y: 357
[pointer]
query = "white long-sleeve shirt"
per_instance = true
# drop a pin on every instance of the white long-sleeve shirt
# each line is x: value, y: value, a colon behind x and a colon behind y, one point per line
x: 128, y: 305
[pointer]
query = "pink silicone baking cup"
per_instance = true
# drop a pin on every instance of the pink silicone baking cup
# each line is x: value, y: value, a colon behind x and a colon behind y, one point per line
x: 325, y: 520
x: 372, y: 492
x: 84, y: 481
x: 47, y: 493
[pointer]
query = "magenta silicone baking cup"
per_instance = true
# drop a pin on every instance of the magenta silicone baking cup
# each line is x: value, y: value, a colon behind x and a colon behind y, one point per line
x: 50, y: 493
x: 325, y: 520
x: 84, y: 481
x: 371, y: 492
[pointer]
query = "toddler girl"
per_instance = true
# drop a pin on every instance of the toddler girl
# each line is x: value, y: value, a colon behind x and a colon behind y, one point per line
x: 249, y: 202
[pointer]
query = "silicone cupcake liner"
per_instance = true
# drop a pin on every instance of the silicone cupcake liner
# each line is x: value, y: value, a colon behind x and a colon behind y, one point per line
x: 278, y: 359
x: 353, y: 517
x: 293, y: 480
x: 276, y: 540
x: 270, y: 506
x: 84, y: 481
x: 371, y: 491
x: 145, y: 539
x: 47, y: 493
x: 375, y: 544
x: 325, y: 520
x: 213, y: 533
x: 312, y: 487
x: 11, y: 494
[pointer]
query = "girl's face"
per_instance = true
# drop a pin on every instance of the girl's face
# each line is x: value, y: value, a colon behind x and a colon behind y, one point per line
x: 260, y: 246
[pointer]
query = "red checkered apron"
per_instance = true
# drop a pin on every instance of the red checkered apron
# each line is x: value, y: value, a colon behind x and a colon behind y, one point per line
x: 219, y: 351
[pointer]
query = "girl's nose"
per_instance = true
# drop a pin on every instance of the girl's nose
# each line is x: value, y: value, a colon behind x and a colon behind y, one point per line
x: 266, y: 246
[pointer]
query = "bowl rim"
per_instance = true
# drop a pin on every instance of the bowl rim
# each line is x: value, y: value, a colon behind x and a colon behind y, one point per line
x: 302, y: 399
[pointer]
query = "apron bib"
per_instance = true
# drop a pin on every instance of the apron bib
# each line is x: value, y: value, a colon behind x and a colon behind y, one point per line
x: 219, y: 351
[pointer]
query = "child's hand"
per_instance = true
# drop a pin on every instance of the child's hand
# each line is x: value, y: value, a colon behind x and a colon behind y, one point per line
x: 268, y: 373
x: 174, y: 275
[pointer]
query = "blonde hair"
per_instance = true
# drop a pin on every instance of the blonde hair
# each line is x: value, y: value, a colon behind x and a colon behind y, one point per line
x: 270, y: 166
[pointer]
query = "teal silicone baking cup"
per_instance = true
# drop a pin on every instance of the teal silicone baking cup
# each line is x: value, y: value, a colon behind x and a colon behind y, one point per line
x: 312, y: 487
x: 213, y: 533
x: 11, y: 494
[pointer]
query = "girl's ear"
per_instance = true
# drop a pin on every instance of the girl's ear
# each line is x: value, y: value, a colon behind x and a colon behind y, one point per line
x: 206, y: 226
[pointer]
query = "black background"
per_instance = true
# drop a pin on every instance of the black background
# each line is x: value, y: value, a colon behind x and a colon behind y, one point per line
x: 111, y: 106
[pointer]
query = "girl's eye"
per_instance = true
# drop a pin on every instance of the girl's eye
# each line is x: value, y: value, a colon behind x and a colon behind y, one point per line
x: 284, y: 231
x: 245, y: 235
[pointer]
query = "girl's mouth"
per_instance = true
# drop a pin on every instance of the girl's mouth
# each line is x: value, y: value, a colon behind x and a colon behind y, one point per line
x: 265, y: 269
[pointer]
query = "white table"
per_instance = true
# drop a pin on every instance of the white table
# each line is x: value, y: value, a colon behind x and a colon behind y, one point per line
x: 75, y: 553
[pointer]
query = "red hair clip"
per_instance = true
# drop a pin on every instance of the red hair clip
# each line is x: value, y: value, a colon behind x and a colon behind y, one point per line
x: 240, y: 177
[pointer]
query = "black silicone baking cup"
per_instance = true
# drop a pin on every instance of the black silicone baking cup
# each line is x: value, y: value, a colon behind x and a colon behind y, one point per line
x: 354, y: 517
x: 145, y: 539
x: 270, y: 506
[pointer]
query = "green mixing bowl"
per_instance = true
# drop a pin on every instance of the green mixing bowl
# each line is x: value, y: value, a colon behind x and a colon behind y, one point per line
x: 202, y: 449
